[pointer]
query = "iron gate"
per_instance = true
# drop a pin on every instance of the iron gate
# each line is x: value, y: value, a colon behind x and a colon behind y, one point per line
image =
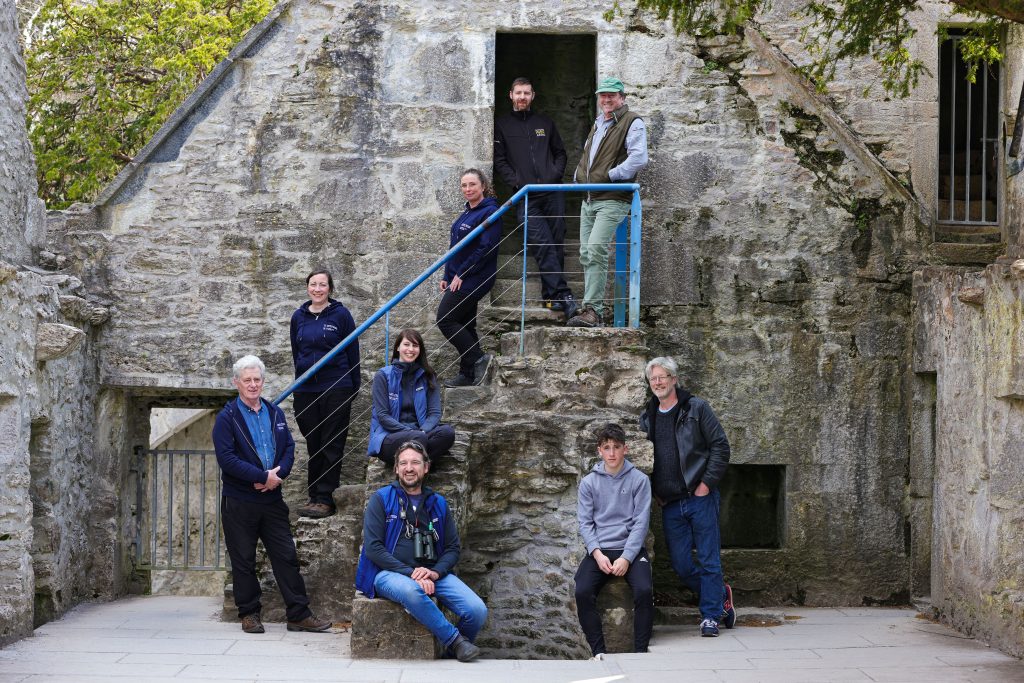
x: 178, y: 524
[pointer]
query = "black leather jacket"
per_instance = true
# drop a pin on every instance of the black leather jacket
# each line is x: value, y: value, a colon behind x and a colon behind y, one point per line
x: 703, y: 446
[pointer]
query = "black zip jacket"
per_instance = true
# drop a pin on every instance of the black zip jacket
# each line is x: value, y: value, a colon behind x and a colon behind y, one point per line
x: 703, y: 446
x: 528, y: 149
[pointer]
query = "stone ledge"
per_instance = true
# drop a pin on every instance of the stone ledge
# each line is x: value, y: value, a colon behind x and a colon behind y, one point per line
x: 381, y: 629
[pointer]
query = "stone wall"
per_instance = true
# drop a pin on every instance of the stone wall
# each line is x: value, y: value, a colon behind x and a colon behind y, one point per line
x: 60, y: 432
x: 22, y: 228
x: 968, y: 340
x: 780, y: 239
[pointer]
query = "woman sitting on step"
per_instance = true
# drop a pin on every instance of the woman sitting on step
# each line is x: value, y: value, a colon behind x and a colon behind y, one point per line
x: 407, y: 403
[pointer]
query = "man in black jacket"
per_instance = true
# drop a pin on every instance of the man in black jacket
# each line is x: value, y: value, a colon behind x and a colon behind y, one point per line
x: 691, y: 454
x: 529, y: 150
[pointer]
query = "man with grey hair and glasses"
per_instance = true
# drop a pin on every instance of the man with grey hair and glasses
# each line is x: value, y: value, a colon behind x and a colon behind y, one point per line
x: 691, y: 454
x: 255, y: 451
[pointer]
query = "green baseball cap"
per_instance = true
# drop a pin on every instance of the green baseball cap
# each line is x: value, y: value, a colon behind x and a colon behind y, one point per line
x: 610, y: 85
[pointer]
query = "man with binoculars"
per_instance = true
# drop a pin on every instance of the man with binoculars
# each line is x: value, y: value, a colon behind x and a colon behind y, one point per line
x: 410, y: 546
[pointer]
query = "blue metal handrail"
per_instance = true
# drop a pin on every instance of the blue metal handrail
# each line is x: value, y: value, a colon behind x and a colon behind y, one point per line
x: 634, y: 276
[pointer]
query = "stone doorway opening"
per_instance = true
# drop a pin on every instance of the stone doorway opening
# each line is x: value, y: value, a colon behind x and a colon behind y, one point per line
x: 178, y: 540
x: 563, y: 70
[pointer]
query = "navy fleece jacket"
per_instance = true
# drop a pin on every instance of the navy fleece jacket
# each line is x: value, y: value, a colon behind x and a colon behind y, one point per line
x: 313, y: 335
x: 477, y: 263
x: 239, y: 462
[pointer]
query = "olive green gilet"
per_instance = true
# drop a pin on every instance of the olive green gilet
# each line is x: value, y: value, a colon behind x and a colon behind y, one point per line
x: 610, y: 154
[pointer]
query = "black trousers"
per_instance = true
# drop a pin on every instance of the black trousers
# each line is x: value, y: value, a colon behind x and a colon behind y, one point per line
x: 589, y: 582
x: 456, y: 318
x: 546, y: 242
x: 437, y: 441
x: 244, y: 523
x: 323, y: 419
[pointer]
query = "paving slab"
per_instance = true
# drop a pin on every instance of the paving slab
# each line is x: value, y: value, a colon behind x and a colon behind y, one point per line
x: 182, y: 639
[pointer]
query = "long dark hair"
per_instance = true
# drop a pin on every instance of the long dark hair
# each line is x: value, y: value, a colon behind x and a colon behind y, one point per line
x: 414, y: 336
x: 488, y: 190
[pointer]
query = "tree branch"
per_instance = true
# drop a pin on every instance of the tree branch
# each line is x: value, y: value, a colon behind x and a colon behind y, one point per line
x: 1011, y: 10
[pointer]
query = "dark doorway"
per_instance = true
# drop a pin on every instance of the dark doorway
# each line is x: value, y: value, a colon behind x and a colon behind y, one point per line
x: 563, y: 70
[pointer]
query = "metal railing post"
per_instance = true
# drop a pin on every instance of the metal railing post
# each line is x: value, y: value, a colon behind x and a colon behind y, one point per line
x: 635, y: 226
x: 621, y: 281
x: 522, y: 304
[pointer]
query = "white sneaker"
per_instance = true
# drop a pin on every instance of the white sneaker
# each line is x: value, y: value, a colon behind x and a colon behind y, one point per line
x: 599, y: 657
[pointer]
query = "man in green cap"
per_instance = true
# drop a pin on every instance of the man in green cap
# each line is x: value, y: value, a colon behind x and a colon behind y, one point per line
x: 616, y: 150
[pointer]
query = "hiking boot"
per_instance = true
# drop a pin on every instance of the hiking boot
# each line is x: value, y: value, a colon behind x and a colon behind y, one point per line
x: 464, y: 650
x: 709, y: 628
x: 310, y: 623
x: 481, y: 366
x: 729, y: 616
x: 459, y: 381
x: 570, y: 307
x: 588, y: 318
x: 316, y: 510
x: 251, y: 623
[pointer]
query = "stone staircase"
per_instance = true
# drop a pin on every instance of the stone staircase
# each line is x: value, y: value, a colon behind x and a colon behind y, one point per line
x: 523, y: 441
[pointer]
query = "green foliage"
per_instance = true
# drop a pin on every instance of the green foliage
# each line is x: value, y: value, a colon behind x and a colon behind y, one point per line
x: 104, y: 77
x: 837, y: 31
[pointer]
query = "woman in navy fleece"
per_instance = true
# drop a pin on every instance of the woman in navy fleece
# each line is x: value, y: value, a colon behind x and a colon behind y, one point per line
x: 323, y: 404
x: 407, y: 403
x: 468, y: 277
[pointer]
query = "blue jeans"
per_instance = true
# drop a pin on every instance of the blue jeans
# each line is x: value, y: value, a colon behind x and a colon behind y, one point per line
x: 692, y: 524
x: 453, y: 594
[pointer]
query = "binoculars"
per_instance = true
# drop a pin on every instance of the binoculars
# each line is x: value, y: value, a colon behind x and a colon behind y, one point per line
x: 423, y: 546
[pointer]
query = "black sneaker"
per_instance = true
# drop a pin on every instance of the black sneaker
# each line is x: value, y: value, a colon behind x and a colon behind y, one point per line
x: 729, y: 616
x: 459, y: 381
x: 464, y: 650
x: 569, y: 307
x: 553, y: 305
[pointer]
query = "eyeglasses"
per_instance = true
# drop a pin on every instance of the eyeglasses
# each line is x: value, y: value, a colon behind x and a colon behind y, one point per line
x: 658, y: 379
x: 416, y: 446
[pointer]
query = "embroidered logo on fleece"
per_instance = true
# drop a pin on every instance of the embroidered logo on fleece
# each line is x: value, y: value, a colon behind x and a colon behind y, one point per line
x: 539, y: 132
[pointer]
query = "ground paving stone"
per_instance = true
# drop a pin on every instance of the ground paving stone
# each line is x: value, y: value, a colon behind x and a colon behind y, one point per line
x: 96, y: 642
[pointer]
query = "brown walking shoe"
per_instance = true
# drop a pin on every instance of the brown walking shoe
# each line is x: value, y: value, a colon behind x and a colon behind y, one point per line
x: 588, y: 318
x: 310, y: 623
x: 251, y: 623
x: 316, y: 510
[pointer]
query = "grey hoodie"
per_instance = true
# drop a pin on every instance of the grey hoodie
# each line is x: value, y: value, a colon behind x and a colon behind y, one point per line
x: 613, y: 512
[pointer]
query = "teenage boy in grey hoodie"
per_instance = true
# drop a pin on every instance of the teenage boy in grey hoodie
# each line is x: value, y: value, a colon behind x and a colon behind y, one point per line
x: 613, y: 508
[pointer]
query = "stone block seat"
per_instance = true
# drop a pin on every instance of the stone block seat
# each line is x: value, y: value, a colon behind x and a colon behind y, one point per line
x: 382, y: 629
x: 615, y: 605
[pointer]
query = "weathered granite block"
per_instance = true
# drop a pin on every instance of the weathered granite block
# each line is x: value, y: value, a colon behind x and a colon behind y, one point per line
x: 381, y: 629
x: 615, y: 604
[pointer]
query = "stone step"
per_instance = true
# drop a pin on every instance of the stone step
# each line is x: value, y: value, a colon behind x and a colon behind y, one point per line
x: 968, y: 234
x: 965, y: 254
